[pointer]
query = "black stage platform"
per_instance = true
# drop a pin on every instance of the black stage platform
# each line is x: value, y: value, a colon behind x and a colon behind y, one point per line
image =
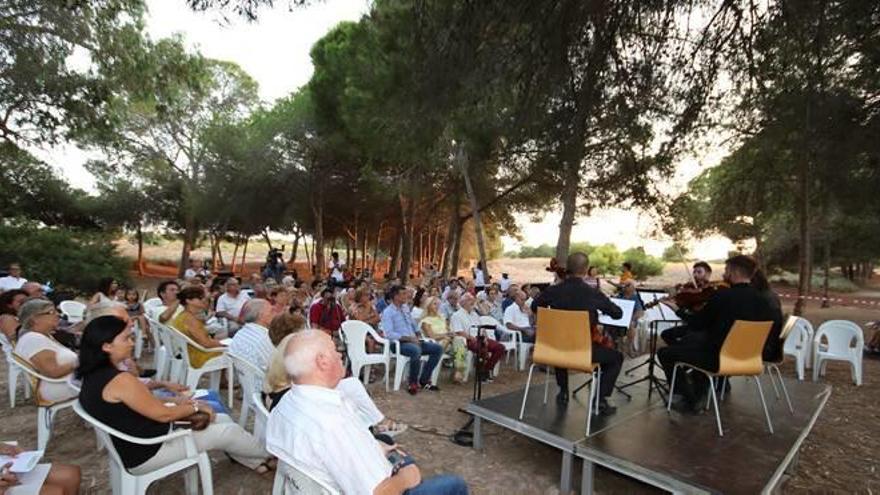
x: 681, y: 454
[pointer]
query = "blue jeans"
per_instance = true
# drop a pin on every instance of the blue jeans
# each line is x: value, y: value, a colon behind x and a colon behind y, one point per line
x: 414, y: 352
x: 445, y: 484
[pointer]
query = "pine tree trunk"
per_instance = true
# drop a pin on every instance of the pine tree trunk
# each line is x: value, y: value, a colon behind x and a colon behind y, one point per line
x: 376, y: 249
x: 446, y: 267
x: 244, y: 256
x: 189, y: 238
x: 140, y: 256
x: 462, y: 158
x: 235, y: 253
x: 825, y: 302
x: 569, y: 208
x: 454, y: 262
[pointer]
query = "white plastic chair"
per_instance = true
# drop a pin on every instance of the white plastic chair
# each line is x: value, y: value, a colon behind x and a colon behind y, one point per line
x: 74, y: 310
x: 799, y: 344
x: 251, y: 377
x: 162, y: 356
x: 12, y: 371
x: 402, y: 365
x: 843, y: 341
x: 261, y: 418
x: 290, y: 479
x: 354, y: 333
x: 126, y: 483
x: 189, y: 375
x: 138, y: 338
x: 46, y: 410
x: 509, y: 345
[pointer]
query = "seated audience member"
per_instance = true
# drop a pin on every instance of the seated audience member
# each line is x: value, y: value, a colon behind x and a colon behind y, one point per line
x: 434, y: 326
x: 327, y: 314
x: 283, y: 325
x: 315, y: 427
x: 399, y: 326
x: 107, y: 291
x: 382, y: 302
x: 517, y: 317
x: 10, y: 302
x: 449, y: 304
x: 136, y: 311
x: 190, y: 322
x: 13, y: 280
x: 36, y: 344
x: 508, y: 297
x: 33, y: 289
x: 252, y: 341
x: 417, y: 304
x: 230, y: 304
x: 464, y: 323
x: 170, y: 307
x: 62, y: 479
x: 533, y: 292
x: 120, y: 401
x: 363, y: 309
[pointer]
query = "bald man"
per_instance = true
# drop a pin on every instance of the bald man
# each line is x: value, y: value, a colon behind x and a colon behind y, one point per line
x: 315, y: 427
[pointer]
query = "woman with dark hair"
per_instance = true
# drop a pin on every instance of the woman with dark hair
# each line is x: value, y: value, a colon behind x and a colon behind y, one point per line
x: 107, y: 289
x: 10, y: 301
x: 191, y: 322
x: 121, y: 401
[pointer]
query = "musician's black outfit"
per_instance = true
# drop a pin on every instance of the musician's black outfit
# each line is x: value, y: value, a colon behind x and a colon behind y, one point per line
x: 710, y: 327
x: 575, y: 295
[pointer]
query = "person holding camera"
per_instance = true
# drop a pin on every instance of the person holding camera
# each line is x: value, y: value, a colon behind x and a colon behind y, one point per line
x: 121, y: 401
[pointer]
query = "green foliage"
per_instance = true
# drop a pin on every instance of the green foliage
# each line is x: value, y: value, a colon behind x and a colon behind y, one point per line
x: 606, y: 258
x: 675, y: 252
x: 542, y: 251
x: 836, y: 282
x: 644, y: 265
x: 69, y: 259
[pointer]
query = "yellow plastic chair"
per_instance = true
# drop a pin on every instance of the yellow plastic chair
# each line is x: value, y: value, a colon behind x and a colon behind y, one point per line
x: 562, y: 340
x: 772, y: 366
x: 740, y: 356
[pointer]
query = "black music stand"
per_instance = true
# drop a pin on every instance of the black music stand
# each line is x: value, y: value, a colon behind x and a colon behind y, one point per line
x: 651, y: 363
x: 465, y: 435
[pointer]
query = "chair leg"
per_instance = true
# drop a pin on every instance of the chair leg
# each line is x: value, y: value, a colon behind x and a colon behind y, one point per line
x: 764, y: 404
x: 597, y: 377
x: 772, y: 381
x: 724, y: 381
x: 44, y: 427
x: 773, y: 367
x: 594, y: 392
x: 13, y: 384
x: 546, y: 383
x: 191, y: 481
x: 387, y: 372
x: 672, y: 387
x: 230, y: 379
x: 522, y: 408
x: 205, y: 474
x: 715, y: 403
x: 366, y: 369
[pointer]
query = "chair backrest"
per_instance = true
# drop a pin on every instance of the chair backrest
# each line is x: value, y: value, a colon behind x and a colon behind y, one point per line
x: 790, y: 323
x: 741, y: 353
x: 74, y: 310
x: 102, y: 431
x: 7, y: 345
x: 488, y: 320
x: 35, y: 378
x: 176, y: 342
x: 261, y: 418
x: 562, y: 339
x: 249, y: 375
x: 151, y: 303
x: 298, y: 480
x: 841, y: 335
x: 354, y: 334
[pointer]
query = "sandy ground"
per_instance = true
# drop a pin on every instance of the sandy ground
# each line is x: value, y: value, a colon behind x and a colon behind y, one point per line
x: 840, y: 455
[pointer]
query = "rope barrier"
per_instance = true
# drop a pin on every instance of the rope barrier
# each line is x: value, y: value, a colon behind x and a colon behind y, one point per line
x: 839, y: 300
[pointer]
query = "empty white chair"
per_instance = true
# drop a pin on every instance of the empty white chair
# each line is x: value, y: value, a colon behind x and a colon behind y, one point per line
x: 12, y: 372
x: 401, y: 365
x: 799, y: 344
x: 74, y: 310
x: 838, y: 340
x: 46, y: 410
x: 125, y: 483
x: 189, y: 375
x: 354, y: 333
x: 251, y: 377
x: 291, y: 480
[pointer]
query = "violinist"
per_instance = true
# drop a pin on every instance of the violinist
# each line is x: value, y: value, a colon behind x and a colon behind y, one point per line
x: 690, y: 299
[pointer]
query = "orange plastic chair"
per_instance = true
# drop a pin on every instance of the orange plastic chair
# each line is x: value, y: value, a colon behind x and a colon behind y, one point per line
x: 741, y: 355
x: 562, y: 340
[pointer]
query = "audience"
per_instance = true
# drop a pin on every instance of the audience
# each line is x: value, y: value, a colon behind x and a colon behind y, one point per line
x: 327, y: 314
x: 465, y: 323
x: 450, y: 304
x: 315, y: 427
x: 121, y: 401
x: 10, y: 302
x: 107, y: 289
x: 283, y: 325
x: 39, y: 319
x: 399, y: 326
x: 518, y: 317
x: 33, y: 289
x: 191, y: 322
x: 170, y: 306
x: 229, y: 305
x: 62, y: 479
x: 433, y: 325
x: 363, y: 310
x: 13, y: 280
x: 252, y: 342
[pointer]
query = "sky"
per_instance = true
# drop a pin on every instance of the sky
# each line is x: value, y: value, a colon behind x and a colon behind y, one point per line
x: 275, y: 51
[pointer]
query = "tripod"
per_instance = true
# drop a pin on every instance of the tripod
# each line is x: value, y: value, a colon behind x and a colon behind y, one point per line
x: 651, y: 363
x: 465, y: 435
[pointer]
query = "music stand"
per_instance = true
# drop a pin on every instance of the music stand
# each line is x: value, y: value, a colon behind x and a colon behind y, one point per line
x: 651, y: 362
x: 465, y: 435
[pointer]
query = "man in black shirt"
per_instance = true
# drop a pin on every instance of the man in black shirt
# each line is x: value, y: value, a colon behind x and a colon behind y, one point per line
x: 575, y: 295
x: 740, y: 302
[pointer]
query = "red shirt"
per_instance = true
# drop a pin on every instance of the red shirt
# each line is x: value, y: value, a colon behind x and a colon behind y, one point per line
x: 326, y: 317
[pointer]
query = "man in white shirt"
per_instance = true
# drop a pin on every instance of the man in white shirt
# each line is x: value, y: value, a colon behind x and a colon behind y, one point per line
x: 336, y: 268
x: 517, y: 317
x: 14, y: 280
x: 449, y: 304
x: 229, y: 305
x: 315, y: 428
x: 252, y: 341
x: 464, y: 323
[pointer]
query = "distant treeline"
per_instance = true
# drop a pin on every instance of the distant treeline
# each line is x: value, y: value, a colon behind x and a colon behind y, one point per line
x: 607, y: 258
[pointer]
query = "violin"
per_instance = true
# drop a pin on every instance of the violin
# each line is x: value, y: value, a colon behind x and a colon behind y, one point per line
x: 690, y: 297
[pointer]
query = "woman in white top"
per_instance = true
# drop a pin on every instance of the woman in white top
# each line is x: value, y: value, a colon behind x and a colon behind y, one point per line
x: 418, y: 305
x: 39, y: 319
x: 107, y: 289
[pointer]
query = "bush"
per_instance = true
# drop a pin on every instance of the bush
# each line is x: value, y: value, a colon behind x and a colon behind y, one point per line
x: 836, y: 283
x: 68, y: 259
x: 644, y: 265
x: 607, y: 258
x: 542, y: 251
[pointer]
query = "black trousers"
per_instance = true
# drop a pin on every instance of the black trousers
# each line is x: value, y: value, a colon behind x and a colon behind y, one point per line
x: 611, y: 362
x: 691, y: 385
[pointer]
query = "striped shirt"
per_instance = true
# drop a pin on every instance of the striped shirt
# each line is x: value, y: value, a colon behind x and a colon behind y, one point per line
x: 252, y: 343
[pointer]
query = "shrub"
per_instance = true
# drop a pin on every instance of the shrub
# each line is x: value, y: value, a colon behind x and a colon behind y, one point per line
x: 68, y: 259
x: 644, y: 265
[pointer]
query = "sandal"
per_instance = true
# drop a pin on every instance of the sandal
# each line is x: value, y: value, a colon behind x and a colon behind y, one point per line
x: 265, y: 467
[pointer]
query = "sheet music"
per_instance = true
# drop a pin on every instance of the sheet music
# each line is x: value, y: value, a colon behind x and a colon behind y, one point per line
x: 624, y: 304
x: 660, y: 311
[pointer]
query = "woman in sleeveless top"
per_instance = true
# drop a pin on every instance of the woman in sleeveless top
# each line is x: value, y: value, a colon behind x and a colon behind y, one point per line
x: 10, y: 301
x: 119, y: 400
x: 190, y: 322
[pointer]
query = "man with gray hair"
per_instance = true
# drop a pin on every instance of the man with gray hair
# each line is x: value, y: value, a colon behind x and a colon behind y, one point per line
x: 230, y: 304
x: 252, y: 342
x: 315, y: 427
